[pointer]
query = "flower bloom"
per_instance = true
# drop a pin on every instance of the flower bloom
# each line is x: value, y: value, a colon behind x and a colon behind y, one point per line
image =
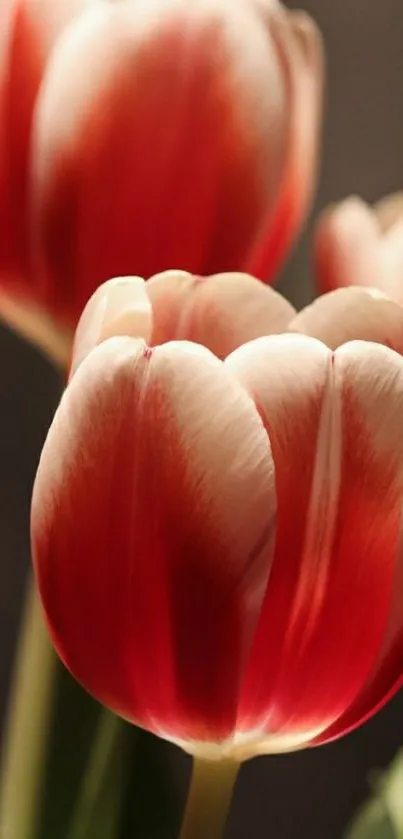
x: 360, y: 245
x: 141, y: 134
x: 217, y: 514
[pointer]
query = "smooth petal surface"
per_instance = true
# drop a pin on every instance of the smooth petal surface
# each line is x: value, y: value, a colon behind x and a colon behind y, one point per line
x: 152, y: 532
x: 300, y: 48
x: 334, y: 426
x: 357, y: 245
x: 287, y: 377
x: 385, y: 678
x: 386, y: 675
x: 120, y: 306
x: 29, y: 30
x: 220, y: 312
x: 165, y: 151
x: 349, y: 314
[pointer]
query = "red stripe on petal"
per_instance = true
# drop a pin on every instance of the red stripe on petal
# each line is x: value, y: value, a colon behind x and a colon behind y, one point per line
x: 386, y: 675
x: 325, y: 660
x: 287, y: 378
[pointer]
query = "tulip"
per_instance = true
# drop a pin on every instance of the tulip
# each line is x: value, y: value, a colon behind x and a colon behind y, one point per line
x: 356, y: 244
x: 137, y: 135
x: 217, y: 509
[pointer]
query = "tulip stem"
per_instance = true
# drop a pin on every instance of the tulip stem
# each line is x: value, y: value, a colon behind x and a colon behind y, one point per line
x: 27, y: 726
x: 209, y: 798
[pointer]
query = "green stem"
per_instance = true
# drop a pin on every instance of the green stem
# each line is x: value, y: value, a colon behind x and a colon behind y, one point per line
x: 209, y: 799
x: 101, y: 789
x: 30, y: 703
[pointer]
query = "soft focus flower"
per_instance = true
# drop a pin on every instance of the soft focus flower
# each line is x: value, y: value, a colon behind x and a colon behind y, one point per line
x: 356, y: 244
x: 144, y: 133
x: 217, y: 534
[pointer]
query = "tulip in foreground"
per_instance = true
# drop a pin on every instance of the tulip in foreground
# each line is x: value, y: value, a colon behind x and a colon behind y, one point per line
x: 137, y: 135
x: 211, y: 523
x: 356, y: 244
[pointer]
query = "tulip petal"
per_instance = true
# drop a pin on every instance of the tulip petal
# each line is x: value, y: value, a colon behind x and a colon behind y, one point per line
x: 389, y: 210
x: 300, y: 48
x: 152, y: 532
x: 349, y: 314
x: 170, y: 293
x: 344, y: 246
x: 339, y: 479
x: 385, y: 677
x: 119, y: 307
x: 287, y: 377
x: 156, y: 155
x: 29, y: 30
x: 220, y: 312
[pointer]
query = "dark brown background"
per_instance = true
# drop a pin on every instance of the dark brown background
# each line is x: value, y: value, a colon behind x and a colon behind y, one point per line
x: 312, y: 794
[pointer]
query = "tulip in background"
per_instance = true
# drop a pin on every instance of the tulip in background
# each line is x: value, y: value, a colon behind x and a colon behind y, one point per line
x: 141, y: 134
x: 358, y: 245
x: 224, y: 484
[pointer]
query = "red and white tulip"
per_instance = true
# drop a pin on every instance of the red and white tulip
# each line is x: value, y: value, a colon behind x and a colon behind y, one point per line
x: 356, y: 244
x: 141, y: 134
x: 217, y: 529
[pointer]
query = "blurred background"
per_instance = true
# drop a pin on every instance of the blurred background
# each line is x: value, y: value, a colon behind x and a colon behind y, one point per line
x: 312, y: 794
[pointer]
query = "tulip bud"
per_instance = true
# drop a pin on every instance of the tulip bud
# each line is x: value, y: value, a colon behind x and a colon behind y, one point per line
x: 356, y: 244
x: 204, y: 529
x: 152, y: 134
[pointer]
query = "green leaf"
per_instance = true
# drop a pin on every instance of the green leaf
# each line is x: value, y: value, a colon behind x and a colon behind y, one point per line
x: 98, y: 806
x: 71, y: 733
x: 372, y: 822
x: 382, y: 816
x: 153, y: 806
x: 26, y: 731
x: 390, y: 790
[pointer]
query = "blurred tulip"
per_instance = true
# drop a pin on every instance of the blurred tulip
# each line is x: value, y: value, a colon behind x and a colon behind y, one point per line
x: 356, y: 244
x: 141, y: 134
x: 209, y: 531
